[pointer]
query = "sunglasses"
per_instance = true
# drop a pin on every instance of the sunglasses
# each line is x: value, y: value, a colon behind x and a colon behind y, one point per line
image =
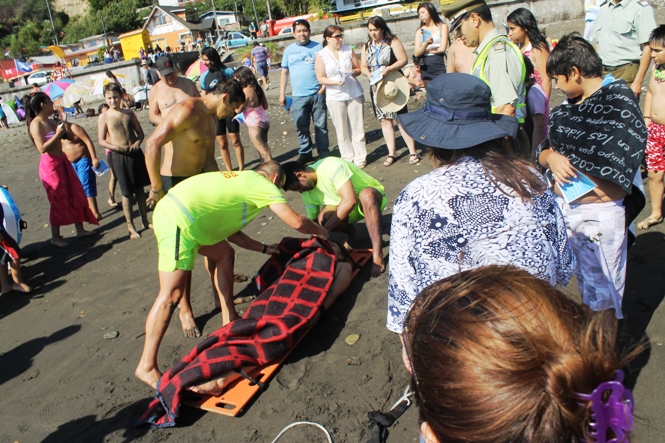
x: 338, y: 36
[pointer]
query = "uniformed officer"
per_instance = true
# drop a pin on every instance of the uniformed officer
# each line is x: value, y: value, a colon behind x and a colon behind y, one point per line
x: 499, y: 62
x: 621, y: 35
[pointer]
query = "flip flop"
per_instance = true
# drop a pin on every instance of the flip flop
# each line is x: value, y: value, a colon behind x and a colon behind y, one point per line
x: 390, y: 160
x: 414, y: 159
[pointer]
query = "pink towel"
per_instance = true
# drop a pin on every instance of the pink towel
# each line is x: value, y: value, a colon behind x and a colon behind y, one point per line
x: 64, y: 191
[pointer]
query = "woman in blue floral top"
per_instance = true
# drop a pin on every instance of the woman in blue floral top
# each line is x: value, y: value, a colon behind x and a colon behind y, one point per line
x: 481, y: 205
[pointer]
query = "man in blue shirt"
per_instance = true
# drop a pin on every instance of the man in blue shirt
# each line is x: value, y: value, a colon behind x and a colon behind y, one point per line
x: 309, y: 101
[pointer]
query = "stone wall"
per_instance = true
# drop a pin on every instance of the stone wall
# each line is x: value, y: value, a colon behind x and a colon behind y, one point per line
x: 404, y: 26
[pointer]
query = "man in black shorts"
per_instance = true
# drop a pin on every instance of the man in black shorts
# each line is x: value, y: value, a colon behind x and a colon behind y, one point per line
x: 217, y: 72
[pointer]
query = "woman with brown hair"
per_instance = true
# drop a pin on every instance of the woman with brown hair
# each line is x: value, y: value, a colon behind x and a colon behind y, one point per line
x: 497, y: 355
x: 337, y: 67
x: 383, y: 56
x: 480, y: 206
x: 431, y: 42
x: 64, y: 191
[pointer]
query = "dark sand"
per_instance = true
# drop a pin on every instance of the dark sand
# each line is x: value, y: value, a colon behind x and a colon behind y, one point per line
x: 61, y: 381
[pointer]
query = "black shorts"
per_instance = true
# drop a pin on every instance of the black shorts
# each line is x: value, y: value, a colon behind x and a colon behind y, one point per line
x: 168, y: 182
x: 228, y: 125
x: 131, y: 172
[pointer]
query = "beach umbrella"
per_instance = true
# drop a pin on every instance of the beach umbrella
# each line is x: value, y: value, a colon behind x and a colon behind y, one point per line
x: 74, y: 93
x: 196, y: 69
x: 103, y: 81
x: 57, y: 88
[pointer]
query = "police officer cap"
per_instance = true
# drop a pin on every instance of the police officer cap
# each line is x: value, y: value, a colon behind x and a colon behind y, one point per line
x: 456, y: 9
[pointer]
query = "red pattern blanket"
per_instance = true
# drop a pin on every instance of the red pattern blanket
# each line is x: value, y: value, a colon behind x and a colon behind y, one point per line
x: 296, y: 282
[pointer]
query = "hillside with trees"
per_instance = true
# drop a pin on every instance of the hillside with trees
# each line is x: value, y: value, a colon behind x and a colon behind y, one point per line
x: 25, y: 25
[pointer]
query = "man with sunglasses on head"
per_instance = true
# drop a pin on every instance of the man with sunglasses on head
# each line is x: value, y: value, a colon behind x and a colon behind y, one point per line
x: 309, y: 102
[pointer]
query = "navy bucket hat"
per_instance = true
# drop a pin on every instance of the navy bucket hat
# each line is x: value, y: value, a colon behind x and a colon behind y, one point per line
x: 457, y: 115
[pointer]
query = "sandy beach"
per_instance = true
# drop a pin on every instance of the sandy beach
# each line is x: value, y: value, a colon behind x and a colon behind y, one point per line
x: 62, y: 381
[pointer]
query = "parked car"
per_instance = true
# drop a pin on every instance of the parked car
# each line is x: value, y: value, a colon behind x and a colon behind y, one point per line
x: 39, y: 78
x: 286, y: 30
x: 236, y: 40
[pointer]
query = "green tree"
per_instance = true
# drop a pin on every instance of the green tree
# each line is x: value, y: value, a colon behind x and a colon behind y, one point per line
x: 118, y: 17
x: 295, y: 7
x: 27, y: 40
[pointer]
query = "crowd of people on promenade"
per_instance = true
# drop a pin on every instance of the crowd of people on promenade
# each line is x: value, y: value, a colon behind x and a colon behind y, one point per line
x: 521, y: 197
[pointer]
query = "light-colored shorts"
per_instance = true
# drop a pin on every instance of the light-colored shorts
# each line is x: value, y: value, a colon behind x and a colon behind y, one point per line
x: 597, y: 235
x: 176, y: 251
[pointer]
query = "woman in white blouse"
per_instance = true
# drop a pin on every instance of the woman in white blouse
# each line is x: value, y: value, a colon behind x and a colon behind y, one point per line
x: 337, y: 67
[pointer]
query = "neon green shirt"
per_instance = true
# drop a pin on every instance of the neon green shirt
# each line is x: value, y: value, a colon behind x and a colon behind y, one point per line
x: 210, y: 207
x: 331, y: 174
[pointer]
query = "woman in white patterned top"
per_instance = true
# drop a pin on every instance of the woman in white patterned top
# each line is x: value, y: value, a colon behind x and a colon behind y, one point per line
x: 481, y: 205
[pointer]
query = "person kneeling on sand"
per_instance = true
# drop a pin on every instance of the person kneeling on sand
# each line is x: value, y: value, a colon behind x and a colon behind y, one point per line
x: 120, y: 131
x: 198, y: 216
x: 337, y: 194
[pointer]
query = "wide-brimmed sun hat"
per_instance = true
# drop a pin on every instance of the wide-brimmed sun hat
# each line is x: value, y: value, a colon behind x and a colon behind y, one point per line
x: 392, y: 92
x: 457, y: 115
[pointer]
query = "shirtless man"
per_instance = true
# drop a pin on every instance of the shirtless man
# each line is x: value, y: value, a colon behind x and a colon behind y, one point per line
x: 80, y: 151
x: 201, y: 216
x: 168, y: 92
x: 190, y: 128
x: 120, y: 131
x: 460, y: 56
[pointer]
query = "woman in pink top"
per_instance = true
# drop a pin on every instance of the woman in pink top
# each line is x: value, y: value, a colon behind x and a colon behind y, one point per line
x: 523, y: 31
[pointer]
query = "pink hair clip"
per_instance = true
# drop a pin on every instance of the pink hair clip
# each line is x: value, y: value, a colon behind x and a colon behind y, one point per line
x: 616, y: 413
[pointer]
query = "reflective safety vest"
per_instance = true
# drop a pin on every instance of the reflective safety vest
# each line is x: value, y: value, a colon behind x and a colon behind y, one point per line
x: 478, y: 70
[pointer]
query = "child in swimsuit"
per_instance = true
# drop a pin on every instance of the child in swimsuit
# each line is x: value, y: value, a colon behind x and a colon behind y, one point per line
x: 654, y: 118
x: 254, y: 111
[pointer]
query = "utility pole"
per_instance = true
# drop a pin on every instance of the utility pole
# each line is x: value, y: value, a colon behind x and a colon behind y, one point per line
x: 269, y: 13
x: 55, y: 34
x: 235, y: 4
x: 106, y: 40
x: 214, y: 14
x: 256, y: 16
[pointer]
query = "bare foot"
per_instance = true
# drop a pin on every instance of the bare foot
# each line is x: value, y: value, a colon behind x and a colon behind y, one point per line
x: 59, y: 242
x: 189, y: 327
x: 21, y: 287
x: 239, y: 278
x: 112, y: 203
x: 650, y: 221
x: 378, y: 267
x: 148, y: 377
x: 146, y: 225
x: 84, y: 233
x: 241, y: 300
x: 217, y: 387
x: 98, y: 216
x: 133, y: 235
